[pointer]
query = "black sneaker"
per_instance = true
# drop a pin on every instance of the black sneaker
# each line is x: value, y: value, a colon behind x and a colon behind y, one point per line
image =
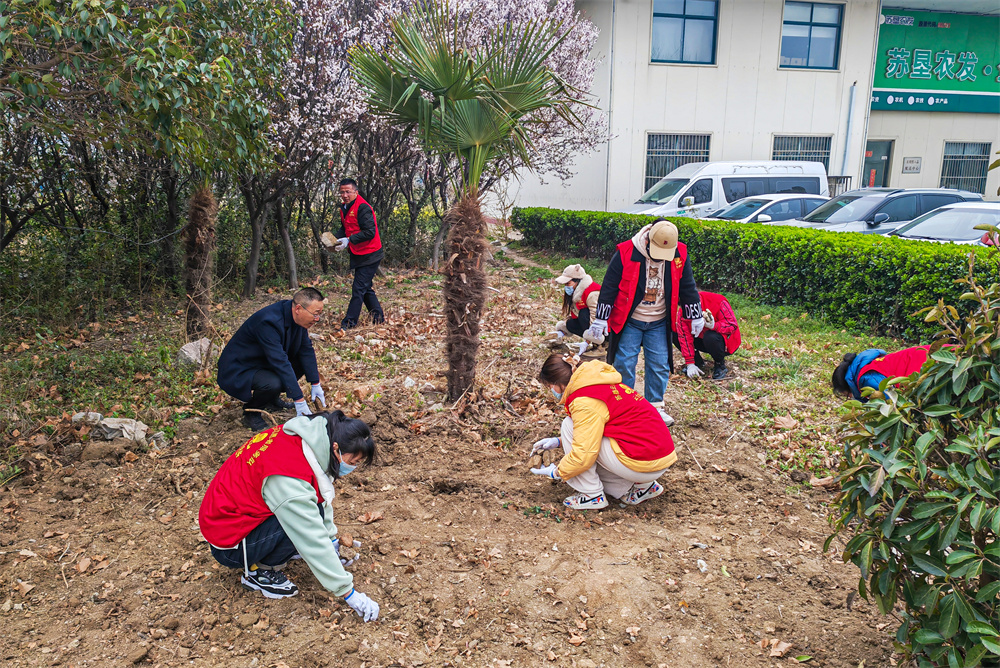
x: 720, y: 371
x: 272, y: 584
x: 280, y: 405
x: 255, y: 421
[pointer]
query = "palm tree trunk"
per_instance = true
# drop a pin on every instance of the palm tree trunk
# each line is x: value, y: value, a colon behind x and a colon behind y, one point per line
x: 464, y: 291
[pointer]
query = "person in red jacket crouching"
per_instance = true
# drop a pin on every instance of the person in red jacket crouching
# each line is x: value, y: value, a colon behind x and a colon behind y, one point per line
x: 870, y: 367
x: 615, y: 442
x: 721, y: 336
x: 271, y: 501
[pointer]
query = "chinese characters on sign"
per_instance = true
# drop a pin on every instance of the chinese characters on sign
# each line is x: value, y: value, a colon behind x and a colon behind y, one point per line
x: 898, y: 65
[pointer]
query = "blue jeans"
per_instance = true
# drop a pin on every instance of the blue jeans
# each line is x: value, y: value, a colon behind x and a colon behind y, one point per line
x: 652, y: 337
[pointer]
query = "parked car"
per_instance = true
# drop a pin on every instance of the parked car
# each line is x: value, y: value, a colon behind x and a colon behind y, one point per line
x: 768, y: 208
x: 698, y: 188
x: 955, y: 223
x: 879, y: 210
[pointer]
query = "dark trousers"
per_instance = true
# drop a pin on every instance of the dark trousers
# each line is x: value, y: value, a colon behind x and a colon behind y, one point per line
x: 711, y: 343
x: 267, y: 545
x: 265, y: 388
x: 579, y: 324
x: 362, y: 293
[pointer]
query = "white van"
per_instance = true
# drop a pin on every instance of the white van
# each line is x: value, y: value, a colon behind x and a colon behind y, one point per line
x: 699, y: 188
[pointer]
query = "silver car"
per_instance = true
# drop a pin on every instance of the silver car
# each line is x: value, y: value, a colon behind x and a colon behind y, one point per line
x: 955, y: 223
x: 768, y: 208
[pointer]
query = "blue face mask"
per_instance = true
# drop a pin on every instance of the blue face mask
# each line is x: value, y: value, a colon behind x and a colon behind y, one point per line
x: 346, y: 468
x: 557, y: 395
x: 569, y: 290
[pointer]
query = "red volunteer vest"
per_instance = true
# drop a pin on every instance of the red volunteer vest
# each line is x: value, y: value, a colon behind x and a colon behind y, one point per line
x: 900, y: 363
x: 634, y: 423
x: 713, y: 302
x: 622, y: 307
x: 351, y: 227
x: 582, y: 304
x: 233, y: 505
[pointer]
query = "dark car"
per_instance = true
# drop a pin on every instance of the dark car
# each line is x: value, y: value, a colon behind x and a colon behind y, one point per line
x: 879, y: 210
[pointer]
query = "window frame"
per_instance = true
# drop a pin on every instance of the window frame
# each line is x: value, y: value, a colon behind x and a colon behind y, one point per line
x: 802, y: 154
x: 682, y: 153
x: 684, y: 17
x: 953, y: 159
x: 840, y: 34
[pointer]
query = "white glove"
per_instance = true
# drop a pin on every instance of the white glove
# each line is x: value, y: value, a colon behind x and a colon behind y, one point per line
x: 709, y: 319
x: 697, y: 325
x: 557, y: 335
x: 345, y: 562
x: 302, y: 408
x: 597, y: 331
x: 548, y: 471
x: 550, y: 443
x: 693, y: 371
x: 341, y: 244
x: 366, y: 608
x: 583, y: 348
x: 317, y: 394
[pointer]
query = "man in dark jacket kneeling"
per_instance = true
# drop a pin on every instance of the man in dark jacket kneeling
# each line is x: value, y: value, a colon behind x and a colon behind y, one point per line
x: 269, y: 353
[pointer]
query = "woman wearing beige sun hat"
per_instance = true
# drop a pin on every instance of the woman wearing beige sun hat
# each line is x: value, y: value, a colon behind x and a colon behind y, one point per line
x: 580, y: 293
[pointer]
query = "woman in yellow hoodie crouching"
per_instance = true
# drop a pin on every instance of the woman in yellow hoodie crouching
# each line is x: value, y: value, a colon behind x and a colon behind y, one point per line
x: 615, y: 441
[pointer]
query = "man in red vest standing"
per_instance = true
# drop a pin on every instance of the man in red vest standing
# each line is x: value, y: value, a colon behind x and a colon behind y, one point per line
x: 647, y: 288
x: 359, y: 235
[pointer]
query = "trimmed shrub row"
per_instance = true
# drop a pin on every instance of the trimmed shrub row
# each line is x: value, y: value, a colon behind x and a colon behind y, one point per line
x: 864, y: 282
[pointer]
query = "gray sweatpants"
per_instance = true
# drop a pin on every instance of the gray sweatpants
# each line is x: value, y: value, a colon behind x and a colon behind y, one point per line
x: 607, y: 474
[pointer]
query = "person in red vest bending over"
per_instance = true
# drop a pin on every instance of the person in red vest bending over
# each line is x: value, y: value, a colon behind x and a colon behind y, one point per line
x: 870, y: 367
x: 271, y: 501
x: 359, y: 235
x: 580, y: 293
x: 615, y: 442
x: 647, y: 286
x: 721, y: 336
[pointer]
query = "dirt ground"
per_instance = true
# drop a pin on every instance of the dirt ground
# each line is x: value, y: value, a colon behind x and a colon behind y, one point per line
x: 474, y: 561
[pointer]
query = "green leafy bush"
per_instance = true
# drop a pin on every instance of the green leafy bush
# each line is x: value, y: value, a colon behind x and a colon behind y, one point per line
x: 860, y: 281
x: 921, y: 480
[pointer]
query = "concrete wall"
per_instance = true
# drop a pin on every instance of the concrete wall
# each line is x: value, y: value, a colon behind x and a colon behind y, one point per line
x: 923, y: 134
x: 742, y: 101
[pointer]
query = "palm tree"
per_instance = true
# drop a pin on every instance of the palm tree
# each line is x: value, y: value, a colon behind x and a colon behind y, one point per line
x: 477, y: 103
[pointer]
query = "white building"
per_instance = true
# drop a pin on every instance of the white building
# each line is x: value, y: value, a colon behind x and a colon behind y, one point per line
x: 883, y: 93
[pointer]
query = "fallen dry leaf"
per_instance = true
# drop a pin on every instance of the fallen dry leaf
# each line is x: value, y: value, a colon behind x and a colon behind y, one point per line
x: 779, y: 648
x: 83, y: 564
x: 633, y: 630
x: 25, y: 587
x: 576, y: 640
x: 27, y: 553
x: 786, y: 422
x: 821, y: 482
x: 410, y: 554
x: 368, y: 518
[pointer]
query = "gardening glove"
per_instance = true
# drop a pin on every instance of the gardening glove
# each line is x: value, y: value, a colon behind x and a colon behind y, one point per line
x: 582, y: 349
x: 693, y: 371
x: 549, y: 471
x: 341, y: 244
x: 302, y: 408
x: 697, y: 325
x: 709, y: 319
x: 541, y: 446
x: 597, y: 331
x: 317, y: 394
x: 345, y: 562
x: 556, y: 335
x: 366, y: 608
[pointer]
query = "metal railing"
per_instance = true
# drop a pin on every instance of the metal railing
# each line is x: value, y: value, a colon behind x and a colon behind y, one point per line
x: 838, y: 184
x: 665, y: 153
x: 965, y: 165
x: 813, y: 149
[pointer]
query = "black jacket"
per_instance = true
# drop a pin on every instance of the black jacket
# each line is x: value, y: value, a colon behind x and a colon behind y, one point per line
x: 688, y: 299
x: 366, y: 221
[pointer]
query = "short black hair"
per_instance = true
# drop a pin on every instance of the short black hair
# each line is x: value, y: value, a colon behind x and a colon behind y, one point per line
x: 348, y: 182
x: 351, y: 436
x: 307, y: 296
x: 839, y: 379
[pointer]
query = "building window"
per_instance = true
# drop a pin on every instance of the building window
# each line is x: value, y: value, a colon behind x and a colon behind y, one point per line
x: 965, y: 165
x: 813, y: 149
x: 810, y: 35
x: 684, y: 31
x: 665, y: 153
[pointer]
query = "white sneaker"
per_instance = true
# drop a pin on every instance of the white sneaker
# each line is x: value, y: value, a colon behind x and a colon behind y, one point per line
x: 667, y: 420
x: 638, y: 494
x: 584, y: 502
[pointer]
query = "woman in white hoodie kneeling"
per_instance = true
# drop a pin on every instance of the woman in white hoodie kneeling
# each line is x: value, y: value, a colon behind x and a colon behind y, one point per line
x: 271, y: 501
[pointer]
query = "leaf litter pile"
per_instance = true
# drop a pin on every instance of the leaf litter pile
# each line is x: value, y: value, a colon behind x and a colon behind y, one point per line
x: 474, y: 561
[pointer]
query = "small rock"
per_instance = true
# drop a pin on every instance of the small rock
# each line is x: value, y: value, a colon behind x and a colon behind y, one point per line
x: 211, y: 620
x: 159, y: 634
x: 409, y: 383
x: 183, y: 652
x: 194, y: 354
x: 138, y: 654
x: 359, y: 339
x: 171, y: 623
x: 87, y: 418
x: 247, y: 620
x: 112, y: 451
x: 350, y: 646
x: 799, y: 476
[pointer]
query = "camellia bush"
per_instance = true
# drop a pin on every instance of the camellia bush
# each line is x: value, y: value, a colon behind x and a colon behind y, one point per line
x: 865, y: 282
x: 920, y: 486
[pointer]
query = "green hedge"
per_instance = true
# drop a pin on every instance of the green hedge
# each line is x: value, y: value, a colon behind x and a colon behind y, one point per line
x: 864, y: 282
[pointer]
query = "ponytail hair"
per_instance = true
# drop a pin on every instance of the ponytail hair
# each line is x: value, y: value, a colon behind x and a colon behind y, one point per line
x: 839, y: 379
x: 557, y: 369
x: 351, y: 435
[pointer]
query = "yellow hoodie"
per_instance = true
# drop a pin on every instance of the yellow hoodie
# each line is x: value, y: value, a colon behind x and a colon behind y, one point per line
x: 589, y: 418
